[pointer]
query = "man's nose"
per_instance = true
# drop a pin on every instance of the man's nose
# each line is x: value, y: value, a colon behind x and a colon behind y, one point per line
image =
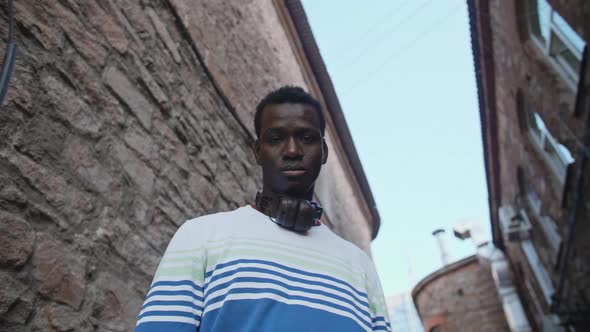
x: 292, y: 150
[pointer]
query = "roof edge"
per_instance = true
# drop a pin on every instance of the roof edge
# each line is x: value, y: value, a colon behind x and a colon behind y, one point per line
x: 483, y: 62
x: 318, y: 67
x: 441, y: 272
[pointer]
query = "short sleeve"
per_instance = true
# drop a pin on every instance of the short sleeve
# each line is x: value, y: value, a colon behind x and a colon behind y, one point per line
x: 174, y: 301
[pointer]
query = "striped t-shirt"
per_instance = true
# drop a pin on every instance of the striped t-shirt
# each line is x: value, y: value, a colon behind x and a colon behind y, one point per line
x: 238, y: 271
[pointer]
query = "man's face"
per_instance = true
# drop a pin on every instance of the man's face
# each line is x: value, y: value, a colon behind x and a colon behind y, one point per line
x: 290, y: 149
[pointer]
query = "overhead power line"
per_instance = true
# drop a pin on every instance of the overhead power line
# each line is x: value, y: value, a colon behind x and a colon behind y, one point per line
x: 389, y: 32
x: 383, y: 19
x: 402, y: 50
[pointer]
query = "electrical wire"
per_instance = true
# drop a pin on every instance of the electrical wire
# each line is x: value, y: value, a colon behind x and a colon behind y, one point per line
x: 395, y: 55
x: 384, y: 36
x: 368, y: 31
x: 384, y: 19
x: 401, y: 51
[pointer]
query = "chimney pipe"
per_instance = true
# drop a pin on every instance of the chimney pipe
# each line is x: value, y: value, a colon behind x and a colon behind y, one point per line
x: 444, y: 253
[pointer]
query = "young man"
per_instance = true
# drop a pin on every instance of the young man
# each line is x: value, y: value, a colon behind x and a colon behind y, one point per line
x: 271, y: 266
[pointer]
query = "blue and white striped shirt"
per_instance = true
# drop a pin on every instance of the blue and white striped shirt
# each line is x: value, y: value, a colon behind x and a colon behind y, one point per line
x: 237, y: 271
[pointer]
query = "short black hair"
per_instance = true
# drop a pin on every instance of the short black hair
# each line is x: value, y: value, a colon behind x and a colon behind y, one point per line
x: 288, y: 94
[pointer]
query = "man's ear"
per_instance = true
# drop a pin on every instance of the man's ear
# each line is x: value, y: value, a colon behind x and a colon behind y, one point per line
x: 325, y: 158
x: 257, y: 152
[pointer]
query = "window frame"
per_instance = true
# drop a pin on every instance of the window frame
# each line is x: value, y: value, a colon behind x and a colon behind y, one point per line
x: 545, y: 43
x: 557, y: 157
x: 551, y: 232
x: 550, y: 149
x: 548, y: 226
x: 540, y: 272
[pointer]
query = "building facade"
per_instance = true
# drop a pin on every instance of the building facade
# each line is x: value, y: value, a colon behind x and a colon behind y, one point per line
x: 461, y: 296
x: 530, y: 64
x: 126, y: 118
x: 402, y: 313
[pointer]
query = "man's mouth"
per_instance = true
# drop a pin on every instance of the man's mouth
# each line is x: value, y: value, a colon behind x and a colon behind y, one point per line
x: 293, y: 171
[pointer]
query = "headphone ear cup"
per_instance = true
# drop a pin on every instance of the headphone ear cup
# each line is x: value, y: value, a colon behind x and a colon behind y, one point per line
x: 287, y: 212
x: 305, y: 217
x: 295, y: 214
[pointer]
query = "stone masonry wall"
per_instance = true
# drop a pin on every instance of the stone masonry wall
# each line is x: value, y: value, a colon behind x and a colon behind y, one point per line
x: 462, y: 299
x: 112, y: 135
x: 247, y: 50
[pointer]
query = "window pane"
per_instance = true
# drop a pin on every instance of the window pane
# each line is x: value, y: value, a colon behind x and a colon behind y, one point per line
x: 561, y: 51
x: 569, y: 33
x: 534, y: 200
x: 571, y: 60
x: 565, y: 154
x: 551, y: 232
x: 537, y: 125
x: 557, y: 38
x: 539, y: 270
x: 543, y: 16
x: 539, y: 122
x: 551, y: 148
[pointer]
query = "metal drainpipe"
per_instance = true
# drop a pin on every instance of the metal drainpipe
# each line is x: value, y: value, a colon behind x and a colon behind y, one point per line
x: 578, y: 199
x: 511, y: 304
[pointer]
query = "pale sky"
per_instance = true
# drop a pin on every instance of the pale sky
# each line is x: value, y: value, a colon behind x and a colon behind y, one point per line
x: 403, y: 72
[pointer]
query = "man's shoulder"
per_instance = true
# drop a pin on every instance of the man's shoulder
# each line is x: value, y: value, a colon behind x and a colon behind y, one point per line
x: 215, y: 220
x: 335, y: 245
x: 198, y: 230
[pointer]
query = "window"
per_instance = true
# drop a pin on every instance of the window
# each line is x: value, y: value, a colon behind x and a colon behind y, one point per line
x: 533, y: 199
x: 526, y: 191
x: 548, y: 225
x: 533, y: 294
x: 556, y: 38
x: 539, y: 270
x: 557, y: 156
x: 552, y: 234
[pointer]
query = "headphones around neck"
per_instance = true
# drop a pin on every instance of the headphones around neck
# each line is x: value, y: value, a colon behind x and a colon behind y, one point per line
x: 295, y: 214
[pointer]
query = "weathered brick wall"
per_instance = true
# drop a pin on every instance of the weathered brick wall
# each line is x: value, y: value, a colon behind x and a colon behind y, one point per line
x: 521, y: 67
x: 461, y: 299
x: 112, y: 134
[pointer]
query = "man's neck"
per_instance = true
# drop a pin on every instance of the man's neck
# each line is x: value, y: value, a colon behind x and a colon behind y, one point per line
x: 308, y: 195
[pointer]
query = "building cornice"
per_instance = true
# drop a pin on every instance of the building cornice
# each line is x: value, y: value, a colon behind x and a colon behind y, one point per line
x: 483, y: 60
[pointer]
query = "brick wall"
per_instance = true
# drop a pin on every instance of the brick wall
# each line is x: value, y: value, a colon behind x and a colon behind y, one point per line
x: 460, y: 297
x: 113, y: 133
x: 522, y: 71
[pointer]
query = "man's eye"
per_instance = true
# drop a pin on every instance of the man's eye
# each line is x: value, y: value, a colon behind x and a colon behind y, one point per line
x: 307, y: 138
x: 275, y: 139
